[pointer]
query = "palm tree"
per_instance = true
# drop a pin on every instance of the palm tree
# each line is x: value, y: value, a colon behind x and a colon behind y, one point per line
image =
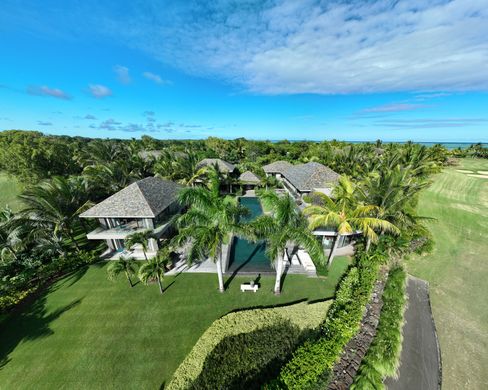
x: 154, y: 269
x: 347, y: 220
x: 209, y: 224
x: 283, y: 226
x: 52, y: 207
x: 127, y: 265
x: 139, y: 238
x: 271, y: 182
x: 393, y: 190
x: 10, y: 232
x: 106, y: 178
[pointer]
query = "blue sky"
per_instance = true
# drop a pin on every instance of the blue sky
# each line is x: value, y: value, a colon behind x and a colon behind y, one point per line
x: 350, y: 70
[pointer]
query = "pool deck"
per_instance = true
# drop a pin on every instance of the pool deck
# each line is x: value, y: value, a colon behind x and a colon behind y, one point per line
x: 246, y: 258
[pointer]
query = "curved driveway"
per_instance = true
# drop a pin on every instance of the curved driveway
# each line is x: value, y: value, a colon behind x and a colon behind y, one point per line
x: 420, y: 367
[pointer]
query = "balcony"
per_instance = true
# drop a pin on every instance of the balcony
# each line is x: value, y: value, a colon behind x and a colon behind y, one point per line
x: 122, y: 231
x: 116, y: 233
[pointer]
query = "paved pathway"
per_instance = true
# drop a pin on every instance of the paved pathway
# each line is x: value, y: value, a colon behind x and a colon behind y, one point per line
x: 420, y: 359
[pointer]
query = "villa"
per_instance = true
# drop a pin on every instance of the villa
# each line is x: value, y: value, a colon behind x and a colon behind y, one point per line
x: 147, y: 204
x: 224, y: 166
x: 276, y: 168
x: 303, y: 179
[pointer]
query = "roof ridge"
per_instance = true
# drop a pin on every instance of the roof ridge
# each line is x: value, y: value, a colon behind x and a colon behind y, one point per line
x: 138, y: 182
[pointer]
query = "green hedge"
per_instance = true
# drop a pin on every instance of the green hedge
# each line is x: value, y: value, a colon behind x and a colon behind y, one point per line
x: 247, y: 360
x: 243, y: 338
x: 312, y: 363
x: 383, y: 356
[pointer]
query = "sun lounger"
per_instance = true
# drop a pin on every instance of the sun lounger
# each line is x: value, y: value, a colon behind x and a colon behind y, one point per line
x: 249, y: 287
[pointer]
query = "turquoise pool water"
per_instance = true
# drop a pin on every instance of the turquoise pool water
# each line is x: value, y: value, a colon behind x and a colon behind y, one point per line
x: 244, y: 255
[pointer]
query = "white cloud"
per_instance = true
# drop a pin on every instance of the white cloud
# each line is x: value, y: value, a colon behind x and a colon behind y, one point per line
x: 44, y: 123
x: 99, y: 91
x: 156, y: 78
x: 47, y: 91
x: 431, y: 123
x: 395, y: 107
x: 295, y: 46
x: 122, y: 73
x: 332, y: 47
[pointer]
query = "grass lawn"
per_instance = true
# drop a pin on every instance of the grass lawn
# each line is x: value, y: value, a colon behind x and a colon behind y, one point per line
x: 458, y: 271
x: 89, y: 333
x: 9, y: 189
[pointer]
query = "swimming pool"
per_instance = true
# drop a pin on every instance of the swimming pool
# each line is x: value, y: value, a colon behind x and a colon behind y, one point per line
x: 246, y: 256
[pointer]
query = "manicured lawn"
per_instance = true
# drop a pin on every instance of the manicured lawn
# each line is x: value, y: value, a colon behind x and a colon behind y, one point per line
x: 9, y: 189
x: 89, y: 333
x: 458, y: 272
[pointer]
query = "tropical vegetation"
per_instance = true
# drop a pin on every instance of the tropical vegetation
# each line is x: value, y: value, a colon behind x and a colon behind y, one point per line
x: 282, y: 227
x: 312, y: 363
x: 235, y: 332
x: 125, y: 265
x: 208, y: 225
x: 383, y: 356
x: 44, y: 240
x: 123, y: 336
x: 153, y: 270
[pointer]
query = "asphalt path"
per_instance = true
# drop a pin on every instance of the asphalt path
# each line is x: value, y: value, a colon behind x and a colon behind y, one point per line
x: 420, y: 364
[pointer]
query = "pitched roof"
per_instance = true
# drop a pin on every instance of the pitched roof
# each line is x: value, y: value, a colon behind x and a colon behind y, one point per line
x: 145, y: 198
x: 249, y: 177
x: 277, y: 167
x: 306, y: 177
x: 224, y: 166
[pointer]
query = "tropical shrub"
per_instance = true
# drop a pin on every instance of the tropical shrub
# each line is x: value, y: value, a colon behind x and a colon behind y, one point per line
x: 383, y: 356
x: 17, y: 285
x: 312, y: 363
x: 13, y: 298
x: 257, y: 327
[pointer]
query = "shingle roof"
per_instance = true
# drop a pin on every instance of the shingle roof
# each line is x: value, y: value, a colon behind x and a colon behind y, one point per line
x: 249, y: 177
x: 277, y: 167
x: 224, y: 166
x: 306, y: 177
x: 145, y: 198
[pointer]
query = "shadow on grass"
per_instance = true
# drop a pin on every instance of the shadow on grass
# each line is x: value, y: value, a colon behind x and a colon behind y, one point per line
x: 70, y: 279
x: 168, y: 286
x: 29, y: 324
x: 270, y: 306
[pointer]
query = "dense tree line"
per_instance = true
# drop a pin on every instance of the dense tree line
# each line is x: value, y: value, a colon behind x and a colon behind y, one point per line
x: 64, y: 175
x: 32, y: 156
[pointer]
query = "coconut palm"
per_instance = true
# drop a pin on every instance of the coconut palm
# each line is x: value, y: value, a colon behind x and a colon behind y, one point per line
x: 271, y: 182
x: 126, y: 265
x: 139, y: 238
x: 284, y: 225
x: 347, y: 220
x: 393, y: 191
x: 10, y: 233
x: 209, y: 224
x: 154, y: 269
x: 52, y: 207
x: 103, y: 179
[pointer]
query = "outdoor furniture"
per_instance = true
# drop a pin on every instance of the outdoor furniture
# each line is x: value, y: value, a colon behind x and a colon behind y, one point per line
x: 249, y: 287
